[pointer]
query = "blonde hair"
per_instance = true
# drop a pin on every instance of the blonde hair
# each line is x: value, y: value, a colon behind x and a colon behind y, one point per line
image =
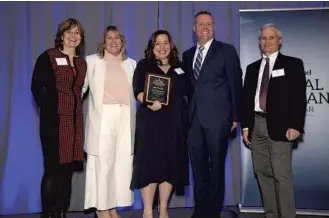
x: 101, y: 48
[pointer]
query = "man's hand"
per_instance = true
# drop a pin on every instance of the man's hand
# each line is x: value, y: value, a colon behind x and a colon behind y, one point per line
x: 245, y: 137
x: 292, y: 134
x: 155, y: 106
x: 235, y: 124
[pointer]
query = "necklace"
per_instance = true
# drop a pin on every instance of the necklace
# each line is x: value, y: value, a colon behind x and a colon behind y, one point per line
x: 160, y: 63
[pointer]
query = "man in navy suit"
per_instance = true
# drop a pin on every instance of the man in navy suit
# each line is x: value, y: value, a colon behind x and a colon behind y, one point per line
x: 216, y: 83
x: 274, y: 107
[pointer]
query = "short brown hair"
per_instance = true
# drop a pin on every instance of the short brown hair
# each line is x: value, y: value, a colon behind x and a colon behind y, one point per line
x: 173, y: 58
x: 204, y: 12
x: 100, y: 49
x: 67, y: 25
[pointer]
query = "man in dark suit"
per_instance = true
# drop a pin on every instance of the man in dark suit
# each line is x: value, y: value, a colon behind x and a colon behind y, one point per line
x: 216, y: 84
x: 274, y: 107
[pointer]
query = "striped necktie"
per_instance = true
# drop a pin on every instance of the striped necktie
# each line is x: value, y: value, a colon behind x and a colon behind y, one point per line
x: 198, y: 62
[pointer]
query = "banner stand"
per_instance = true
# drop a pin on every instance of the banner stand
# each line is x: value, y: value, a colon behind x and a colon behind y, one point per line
x: 305, y: 35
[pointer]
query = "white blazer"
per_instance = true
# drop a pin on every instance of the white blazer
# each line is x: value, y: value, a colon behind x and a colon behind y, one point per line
x: 95, y: 78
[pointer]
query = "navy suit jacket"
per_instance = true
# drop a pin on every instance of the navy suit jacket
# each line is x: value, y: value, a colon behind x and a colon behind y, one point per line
x: 216, y: 93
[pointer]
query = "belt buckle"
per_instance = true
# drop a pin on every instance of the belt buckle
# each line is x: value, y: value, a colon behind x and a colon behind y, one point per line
x: 261, y: 114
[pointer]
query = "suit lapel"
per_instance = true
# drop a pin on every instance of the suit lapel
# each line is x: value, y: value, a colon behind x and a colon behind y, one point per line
x: 210, y: 54
x: 256, y: 75
x: 99, y: 76
x: 128, y: 69
x: 213, y: 49
x: 278, y: 64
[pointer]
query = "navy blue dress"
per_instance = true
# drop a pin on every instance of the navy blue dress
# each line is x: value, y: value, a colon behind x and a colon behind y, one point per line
x: 160, y: 144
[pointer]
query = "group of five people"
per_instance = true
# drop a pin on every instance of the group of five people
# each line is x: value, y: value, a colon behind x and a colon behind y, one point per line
x: 146, y: 147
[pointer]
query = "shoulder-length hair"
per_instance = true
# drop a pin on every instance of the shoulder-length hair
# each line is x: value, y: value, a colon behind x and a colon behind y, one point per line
x: 173, y: 58
x: 101, y: 45
x: 67, y: 25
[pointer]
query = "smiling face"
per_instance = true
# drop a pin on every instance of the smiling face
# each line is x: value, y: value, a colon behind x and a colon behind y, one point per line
x: 71, y: 38
x: 113, y: 43
x: 269, y: 40
x: 204, y: 28
x: 162, y: 47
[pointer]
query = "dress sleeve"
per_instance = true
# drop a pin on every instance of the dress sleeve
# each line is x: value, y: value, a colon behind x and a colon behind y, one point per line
x: 90, y: 67
x: 139, y: 77
x: 39, y: 84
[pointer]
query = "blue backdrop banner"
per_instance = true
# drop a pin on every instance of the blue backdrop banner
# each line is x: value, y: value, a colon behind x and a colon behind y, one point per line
x: 305, y: 35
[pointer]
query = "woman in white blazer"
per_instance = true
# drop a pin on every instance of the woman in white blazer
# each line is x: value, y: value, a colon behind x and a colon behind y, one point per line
x: 110, y: 126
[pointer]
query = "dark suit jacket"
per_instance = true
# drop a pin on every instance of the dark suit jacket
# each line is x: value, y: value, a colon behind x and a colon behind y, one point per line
x: 286, y: 97
x: 216, y: 93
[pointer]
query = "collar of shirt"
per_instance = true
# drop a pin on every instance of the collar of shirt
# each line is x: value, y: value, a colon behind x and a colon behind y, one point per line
x: 204, y: 52
x: 206, y: 47
x: 272, y: 56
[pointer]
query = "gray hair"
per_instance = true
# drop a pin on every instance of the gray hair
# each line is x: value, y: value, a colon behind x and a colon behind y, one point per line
x: 278, y: 31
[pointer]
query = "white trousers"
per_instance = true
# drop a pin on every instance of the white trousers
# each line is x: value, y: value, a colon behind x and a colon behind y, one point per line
x: 108, y: 175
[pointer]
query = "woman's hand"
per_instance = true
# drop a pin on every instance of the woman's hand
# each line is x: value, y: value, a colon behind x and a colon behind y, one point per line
x: 155, y: 106
x: 140, y: 97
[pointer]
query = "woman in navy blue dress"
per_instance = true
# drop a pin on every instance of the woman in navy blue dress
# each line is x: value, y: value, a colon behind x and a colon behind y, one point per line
x: 161, y: 156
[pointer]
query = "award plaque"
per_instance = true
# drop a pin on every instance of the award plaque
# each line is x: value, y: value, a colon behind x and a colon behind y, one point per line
x: 157, y: 88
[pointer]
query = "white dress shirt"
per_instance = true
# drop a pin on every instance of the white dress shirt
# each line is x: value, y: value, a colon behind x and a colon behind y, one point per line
x: 204, y: 52
x: 261, y: 70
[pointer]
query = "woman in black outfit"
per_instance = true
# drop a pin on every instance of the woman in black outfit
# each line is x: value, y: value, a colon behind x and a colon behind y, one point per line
x: 161, y: 156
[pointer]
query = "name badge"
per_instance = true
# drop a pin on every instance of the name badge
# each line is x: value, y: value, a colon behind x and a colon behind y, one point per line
x: 179, y: 71
x: 61, y: 61
x: 277, y: 73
